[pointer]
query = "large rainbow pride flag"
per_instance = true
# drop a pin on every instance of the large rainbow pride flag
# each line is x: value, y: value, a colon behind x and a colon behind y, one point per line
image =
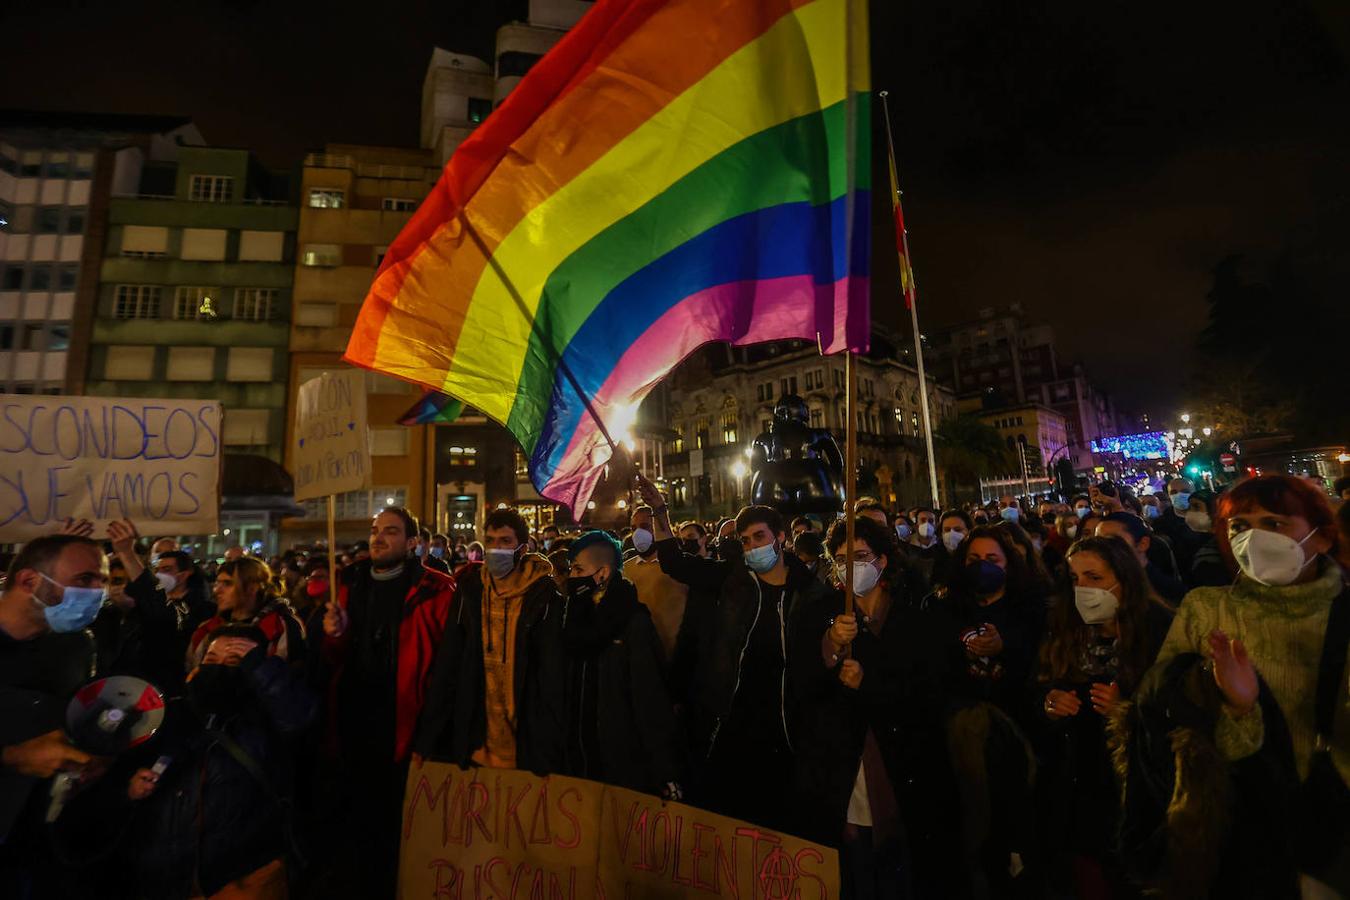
x: 673, y: 172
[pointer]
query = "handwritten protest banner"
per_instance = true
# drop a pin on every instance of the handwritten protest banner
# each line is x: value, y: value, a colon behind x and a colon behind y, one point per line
x: 507, y: 835
x: 156, y: 462
x: 331, y: 452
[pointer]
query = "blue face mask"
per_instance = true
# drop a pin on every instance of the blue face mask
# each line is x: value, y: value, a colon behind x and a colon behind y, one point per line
x: 902, y: 531
x: 984, y: 578
x: 762, y: 559
x: 1082, y: 511
x: 1151, y: 512
x: 77, y: 608
x: 438, y: 552
x: 1009, y: 513
x: 1181, y: 501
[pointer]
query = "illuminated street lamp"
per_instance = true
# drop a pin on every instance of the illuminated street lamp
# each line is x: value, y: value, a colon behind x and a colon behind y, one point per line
x: 1186, y: 417
x: 738, y: 471
x: 1208, y: 432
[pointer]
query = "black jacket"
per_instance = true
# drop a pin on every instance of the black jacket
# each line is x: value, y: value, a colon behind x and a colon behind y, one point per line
x: 453, y: 723
x: 730, y: 593
x: 156, y: 645
x: 620, y: 719
x: 209, y: 813
x: 907, y: 670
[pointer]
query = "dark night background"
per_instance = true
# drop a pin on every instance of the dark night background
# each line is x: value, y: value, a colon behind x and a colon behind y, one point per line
x: 1094, y: 161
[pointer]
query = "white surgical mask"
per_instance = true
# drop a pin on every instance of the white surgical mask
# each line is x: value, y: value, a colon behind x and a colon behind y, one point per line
x: 1181, y: 501
x: 500, y: 562
x: 166, y: 581
x: 1198, y: 521
x: 1270, y: 557
x: 642, y: 540
x: 865, y: 577
x: 926, y: 530
x: 1071, y: 531
x: 1095, y: 605
x: 952, y: 539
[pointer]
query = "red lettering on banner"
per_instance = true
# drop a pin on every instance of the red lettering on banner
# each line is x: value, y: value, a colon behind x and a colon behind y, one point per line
x: 454, y: 815
x: 513, y: 816
x: 654, y: 865
x: 698, y: 853
x: 726, y: 867
x: 675, y: 870
x: 822, y: 892
x: 442, y: 889
x: 487, y: 875
x: 627, y: 835
x: 541, y: 807
x: 422, y: 789
x: 521, y: 869
x: 473, y: 813
x: 570, y: 815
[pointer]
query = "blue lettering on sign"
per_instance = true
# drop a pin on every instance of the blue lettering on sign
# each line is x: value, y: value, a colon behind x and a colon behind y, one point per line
x: 62, y: 458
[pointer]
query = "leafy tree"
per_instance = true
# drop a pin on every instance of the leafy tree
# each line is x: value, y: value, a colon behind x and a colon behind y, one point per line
x: 967, y: 450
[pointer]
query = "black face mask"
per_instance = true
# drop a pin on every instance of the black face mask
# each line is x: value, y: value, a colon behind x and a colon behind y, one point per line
x: 218, y: 689
x: 582, y: 587
x: 689, y: 546
x: 1048, y: 518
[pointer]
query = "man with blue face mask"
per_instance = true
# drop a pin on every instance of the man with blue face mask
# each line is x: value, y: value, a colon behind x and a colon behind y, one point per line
x: 741, y: 693
x: 53, y: 591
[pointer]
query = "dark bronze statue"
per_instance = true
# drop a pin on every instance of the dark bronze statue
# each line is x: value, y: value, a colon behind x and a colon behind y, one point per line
x: 797, y: 469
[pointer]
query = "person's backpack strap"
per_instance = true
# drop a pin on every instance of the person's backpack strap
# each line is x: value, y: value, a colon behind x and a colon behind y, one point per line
x: 1331, y: 670
x: 255, y: 771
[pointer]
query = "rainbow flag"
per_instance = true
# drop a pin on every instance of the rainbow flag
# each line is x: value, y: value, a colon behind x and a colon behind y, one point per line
x: 673, y: 172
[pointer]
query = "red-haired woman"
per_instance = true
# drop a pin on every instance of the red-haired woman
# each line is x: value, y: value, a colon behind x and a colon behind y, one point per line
x: 1234, y: 697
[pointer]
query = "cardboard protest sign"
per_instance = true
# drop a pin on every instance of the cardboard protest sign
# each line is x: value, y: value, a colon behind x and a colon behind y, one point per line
x: 331, y: 451
x: 156, y: 462
x: 500, y: 833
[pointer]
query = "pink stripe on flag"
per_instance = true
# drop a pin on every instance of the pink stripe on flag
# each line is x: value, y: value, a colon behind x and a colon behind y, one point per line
x: 742, y: 312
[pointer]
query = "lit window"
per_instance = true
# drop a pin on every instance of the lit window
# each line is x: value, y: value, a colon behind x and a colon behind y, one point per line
x: 136, y: 301
x: 326, y: 255
x: 327, y: 198
x: 196, y: 303
x: 463, y: 456
x: 210, y: 188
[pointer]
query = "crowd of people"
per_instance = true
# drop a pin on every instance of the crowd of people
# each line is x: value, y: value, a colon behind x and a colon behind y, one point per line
x: 1091, y: 697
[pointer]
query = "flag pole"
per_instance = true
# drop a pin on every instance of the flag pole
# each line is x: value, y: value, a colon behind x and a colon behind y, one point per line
x: 911, y: 300
x: 850, y: 471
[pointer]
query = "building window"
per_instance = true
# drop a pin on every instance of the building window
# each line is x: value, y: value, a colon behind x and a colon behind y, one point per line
x: 40, y: 278
x: 136, y: 301
x: 247, y: 428
x: 324, y: 255
x: 513, y: 64
x: 677, y: 445
x: 67, y: 276
x: 389, y: 441
x: 58, y: 165
x: 764, y: 392
x: 191, y: 364
x: 316, y: 315
x: 31, y: 338
x: 327, y: 198
x: 701, y: 433
x: 838, y: 379
x: 463, y: 456
x: 203, y: 244
x: 788, y: 385
x: 49, y: 220
x: 261, y: 246
x: 817, y: 417
x: 30, y: 166
x: 914, y: 421
x: 729, y: 427
x: 254, y: 304
x: 12, y: 279
x: 478, y: 110
x: 58, y: 337
x: 6, y: 337
x: 84, y: 165
x: 210, y: 188
x: 129, y: 363
x: 195, y: 303
x: 398, y: 204
x: 75, y: 221
x: 249, y: 364
x: 145, y: 241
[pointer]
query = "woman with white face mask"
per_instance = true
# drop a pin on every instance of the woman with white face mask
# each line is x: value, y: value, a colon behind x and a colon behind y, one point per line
x: 1260, y: 641
x: 1098, y: 648
x: 870, y: 750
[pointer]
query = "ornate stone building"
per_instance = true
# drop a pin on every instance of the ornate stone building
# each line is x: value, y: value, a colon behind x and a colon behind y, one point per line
x: 722, y: 397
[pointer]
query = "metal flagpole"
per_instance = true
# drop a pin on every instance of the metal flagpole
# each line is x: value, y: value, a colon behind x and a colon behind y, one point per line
x: 850, y: 471
x: 911, y: 300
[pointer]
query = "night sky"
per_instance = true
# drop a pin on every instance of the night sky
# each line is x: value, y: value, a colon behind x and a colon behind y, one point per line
x: 1093, y: 161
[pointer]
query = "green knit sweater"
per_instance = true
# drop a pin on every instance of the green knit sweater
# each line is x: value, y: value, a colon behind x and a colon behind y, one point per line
x: 1282, y: 629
